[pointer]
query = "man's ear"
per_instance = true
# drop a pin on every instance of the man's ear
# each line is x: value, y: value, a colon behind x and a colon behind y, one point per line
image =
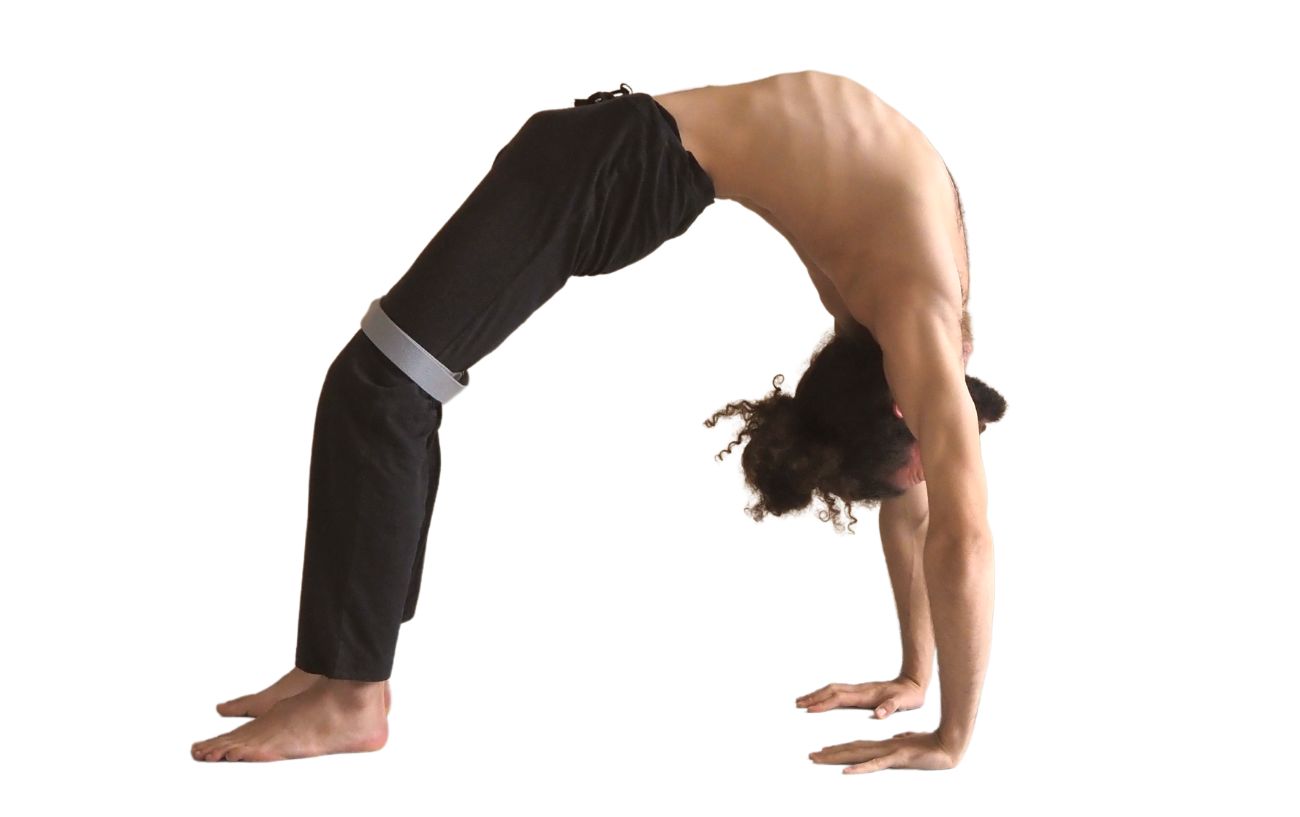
x: 898, y: 412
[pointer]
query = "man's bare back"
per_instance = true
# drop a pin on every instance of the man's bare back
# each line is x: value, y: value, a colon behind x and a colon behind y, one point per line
x: 834, y: 169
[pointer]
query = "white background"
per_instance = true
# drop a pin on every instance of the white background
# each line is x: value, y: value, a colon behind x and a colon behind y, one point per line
x: 199, y: 200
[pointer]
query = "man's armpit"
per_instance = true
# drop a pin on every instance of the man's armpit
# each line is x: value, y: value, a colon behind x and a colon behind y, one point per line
x: 922, y: 355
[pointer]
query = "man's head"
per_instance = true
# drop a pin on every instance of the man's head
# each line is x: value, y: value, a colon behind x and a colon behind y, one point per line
x: 840, y: 435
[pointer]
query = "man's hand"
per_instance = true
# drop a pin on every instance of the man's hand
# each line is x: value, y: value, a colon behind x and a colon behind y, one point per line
x: 906, y: 750
x: 885, y: 697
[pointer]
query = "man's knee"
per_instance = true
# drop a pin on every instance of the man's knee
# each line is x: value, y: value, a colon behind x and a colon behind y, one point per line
x: 369, y: 386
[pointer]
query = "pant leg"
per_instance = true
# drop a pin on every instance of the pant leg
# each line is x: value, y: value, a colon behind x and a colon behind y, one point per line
x: 434, y: 466
x: 582, y: 191
x: 372, y: 479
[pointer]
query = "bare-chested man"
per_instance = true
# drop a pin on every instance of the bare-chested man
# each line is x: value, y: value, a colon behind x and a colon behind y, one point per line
x: 885, y: 413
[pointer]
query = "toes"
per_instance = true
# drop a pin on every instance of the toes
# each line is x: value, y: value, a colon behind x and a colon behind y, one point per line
x: 218, y: 751
x: 235, y: 706
x: 201, y: 754
x: 202, y: 751
x: 243, y: 751
x: 205, y: 749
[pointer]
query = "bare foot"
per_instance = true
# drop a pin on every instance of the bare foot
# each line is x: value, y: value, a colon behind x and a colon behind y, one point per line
x: 256, y: 705
x: 331, y: 716
x: 293, y: 682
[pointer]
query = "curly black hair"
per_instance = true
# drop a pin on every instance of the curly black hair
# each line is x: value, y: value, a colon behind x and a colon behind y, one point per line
x: 837, y: 437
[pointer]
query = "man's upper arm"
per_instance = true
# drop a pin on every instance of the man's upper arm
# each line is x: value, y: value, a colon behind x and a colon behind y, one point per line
x: 921, y: 341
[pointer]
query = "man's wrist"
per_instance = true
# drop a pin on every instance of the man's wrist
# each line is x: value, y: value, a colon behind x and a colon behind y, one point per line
x: 954, y: 738
x: 916, y: 676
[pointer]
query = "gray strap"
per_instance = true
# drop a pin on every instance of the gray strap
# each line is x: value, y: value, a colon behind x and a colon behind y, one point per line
x: 412, y: 358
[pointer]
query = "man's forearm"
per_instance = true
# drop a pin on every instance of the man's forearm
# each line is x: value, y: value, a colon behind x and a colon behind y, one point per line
x: 904, y: 547
x: 959, y: 577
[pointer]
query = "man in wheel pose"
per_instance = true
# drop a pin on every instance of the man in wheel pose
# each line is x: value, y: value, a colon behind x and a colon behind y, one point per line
x: 885, y: 413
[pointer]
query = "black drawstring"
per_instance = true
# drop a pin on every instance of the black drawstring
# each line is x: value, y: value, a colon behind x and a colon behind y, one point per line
x: 600, y: 96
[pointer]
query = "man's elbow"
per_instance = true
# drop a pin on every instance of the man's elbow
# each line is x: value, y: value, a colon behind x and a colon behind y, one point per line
x: 971, y: 550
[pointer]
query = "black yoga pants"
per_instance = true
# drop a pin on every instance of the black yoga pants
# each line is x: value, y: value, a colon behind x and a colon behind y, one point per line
x: 578, y: 191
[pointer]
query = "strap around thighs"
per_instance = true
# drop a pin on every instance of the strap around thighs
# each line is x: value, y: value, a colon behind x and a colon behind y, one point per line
x: 412, y: 358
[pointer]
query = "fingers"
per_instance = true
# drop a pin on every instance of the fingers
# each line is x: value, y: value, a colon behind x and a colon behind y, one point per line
x: 873, y: 765
x: 855, y: 752
x: 832, y: 701
x: 820, y: 695
x: 833, y: 696
x: 886, y: 709
x: 855, y: 698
